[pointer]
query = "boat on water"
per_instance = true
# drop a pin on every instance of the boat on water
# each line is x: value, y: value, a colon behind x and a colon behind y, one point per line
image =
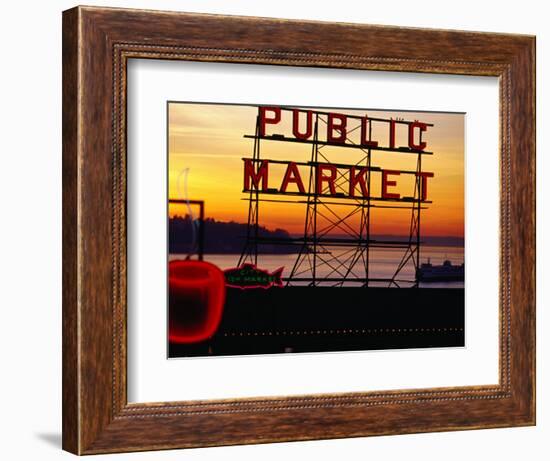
x: 446, y: 272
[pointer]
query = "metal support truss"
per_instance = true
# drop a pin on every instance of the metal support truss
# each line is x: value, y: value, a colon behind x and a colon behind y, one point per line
x: 335, y: 248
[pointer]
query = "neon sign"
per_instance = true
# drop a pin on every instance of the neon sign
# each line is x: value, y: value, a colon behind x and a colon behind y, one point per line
x: 339, y: 128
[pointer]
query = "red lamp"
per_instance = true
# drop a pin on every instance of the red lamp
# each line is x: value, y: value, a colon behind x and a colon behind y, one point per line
x: 196, y: 300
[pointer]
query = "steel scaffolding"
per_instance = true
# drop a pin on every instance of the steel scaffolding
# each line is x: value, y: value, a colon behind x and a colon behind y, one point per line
x: 325, y: 230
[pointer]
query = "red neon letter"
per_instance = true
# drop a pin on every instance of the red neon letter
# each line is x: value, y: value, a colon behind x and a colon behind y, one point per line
x: 257, y: 177
x: 357, y: 178
x: 320, y: 178
x: 292, y: 174
x: 386, y: 183
x: 392, y: 134
x: 424, y: 175
x: 271, y: 120
x: 340, y: 127
x: 422, y: 127
x: 296, y: 123
x: 365, y: 141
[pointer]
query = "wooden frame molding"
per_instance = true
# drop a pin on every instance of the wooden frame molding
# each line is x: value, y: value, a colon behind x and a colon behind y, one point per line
x: 97, y: 44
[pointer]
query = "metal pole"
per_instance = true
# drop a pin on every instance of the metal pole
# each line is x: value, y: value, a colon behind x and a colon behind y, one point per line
x: 315, y: 199
x: 257, y: 196
x: 201, y: 230
x: 367, y: 249
x: 419, y: 187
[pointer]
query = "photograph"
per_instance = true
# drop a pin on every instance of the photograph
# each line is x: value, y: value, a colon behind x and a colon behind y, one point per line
x: 278, y: 223
x: 280, y: 218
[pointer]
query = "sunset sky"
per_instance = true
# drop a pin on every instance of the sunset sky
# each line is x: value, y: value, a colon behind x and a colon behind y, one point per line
x: 207, y: 139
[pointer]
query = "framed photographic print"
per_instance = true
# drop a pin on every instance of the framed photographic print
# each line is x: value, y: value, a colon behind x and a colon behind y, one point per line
x: 273, y: 235
x: 288, y: 237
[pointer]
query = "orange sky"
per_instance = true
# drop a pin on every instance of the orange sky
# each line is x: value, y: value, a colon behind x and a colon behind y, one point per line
x: 208, y: 140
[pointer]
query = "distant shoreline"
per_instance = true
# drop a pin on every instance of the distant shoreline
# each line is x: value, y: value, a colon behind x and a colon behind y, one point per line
x: 230, y: 237
x: 440, y: 245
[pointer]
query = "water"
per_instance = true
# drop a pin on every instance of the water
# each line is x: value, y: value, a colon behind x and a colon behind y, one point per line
x: 383, y: 263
